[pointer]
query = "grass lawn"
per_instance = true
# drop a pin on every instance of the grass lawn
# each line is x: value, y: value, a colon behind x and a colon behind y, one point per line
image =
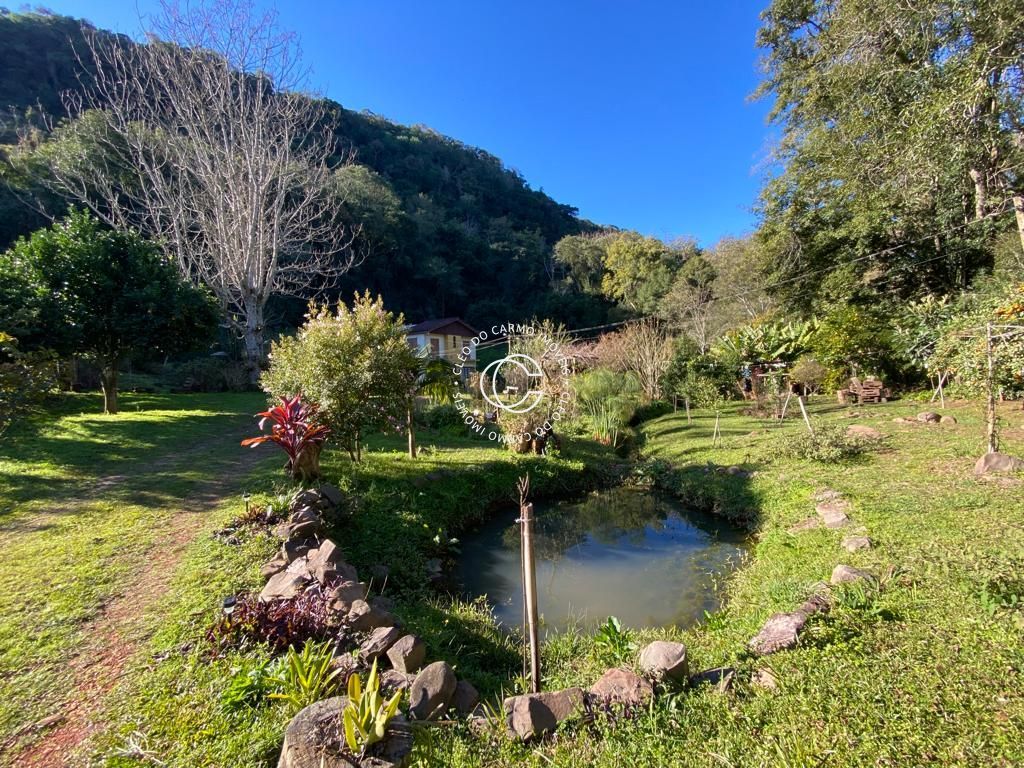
x: 924, y: 669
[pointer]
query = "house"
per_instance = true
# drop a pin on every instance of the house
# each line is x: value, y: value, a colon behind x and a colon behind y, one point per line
x: 446, y: 339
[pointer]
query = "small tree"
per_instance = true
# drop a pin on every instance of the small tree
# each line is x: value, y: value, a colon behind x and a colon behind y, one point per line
x: 106, y: 295
x: 354, y: 363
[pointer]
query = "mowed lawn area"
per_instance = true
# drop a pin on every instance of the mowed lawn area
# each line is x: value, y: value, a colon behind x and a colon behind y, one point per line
x: 924, y: 666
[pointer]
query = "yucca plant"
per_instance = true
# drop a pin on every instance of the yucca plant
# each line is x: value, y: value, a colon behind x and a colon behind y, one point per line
x: 302, y: 678
x: 294, y: 427
x: 366, y: 716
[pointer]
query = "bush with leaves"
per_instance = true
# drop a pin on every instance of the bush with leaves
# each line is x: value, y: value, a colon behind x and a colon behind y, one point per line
x: 355, y: 363
x: 278, y: 624
x: 608, y: 401
x: 366, y: 715
x: 855, y: 341
x: 301, y: 678
x: 26, y: 378
x: 808, y: 373
x: 828, y: 443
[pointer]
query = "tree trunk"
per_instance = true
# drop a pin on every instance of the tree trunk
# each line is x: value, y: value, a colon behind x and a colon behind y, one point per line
x: 307, y: 463
x: 252, y: 338
x: 1018, y: 209
x: 108, y: 378
x: 411, y: 429
x: 980, y: 193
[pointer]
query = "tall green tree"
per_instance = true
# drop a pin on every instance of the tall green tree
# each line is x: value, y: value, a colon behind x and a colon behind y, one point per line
x: 639, y: 270
x: 103, y: 294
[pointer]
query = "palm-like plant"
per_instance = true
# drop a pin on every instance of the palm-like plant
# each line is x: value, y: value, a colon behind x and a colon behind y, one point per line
x: 293, y: 426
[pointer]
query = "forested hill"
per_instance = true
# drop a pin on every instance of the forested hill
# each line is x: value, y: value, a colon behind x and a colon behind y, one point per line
x: 448, y: 229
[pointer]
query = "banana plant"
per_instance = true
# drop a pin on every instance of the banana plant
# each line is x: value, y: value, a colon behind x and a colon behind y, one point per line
x: 366, y: 716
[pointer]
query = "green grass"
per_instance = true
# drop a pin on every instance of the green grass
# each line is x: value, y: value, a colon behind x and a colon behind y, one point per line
x: 924, y: 669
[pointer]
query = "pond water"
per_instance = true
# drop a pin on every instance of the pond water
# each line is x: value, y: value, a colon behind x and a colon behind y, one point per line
x: 623, y: 552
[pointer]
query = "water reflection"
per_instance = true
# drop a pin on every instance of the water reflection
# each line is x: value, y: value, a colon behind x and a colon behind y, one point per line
x: 623, y: 552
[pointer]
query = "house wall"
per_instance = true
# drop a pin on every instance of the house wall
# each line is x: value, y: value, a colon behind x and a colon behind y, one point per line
x: 448, y: 346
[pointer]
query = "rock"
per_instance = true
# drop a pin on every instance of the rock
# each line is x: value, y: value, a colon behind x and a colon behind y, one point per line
x: 304, y: 742
x: 382, y: 603
x: 534, y: 714
x: 465, y: 698
x: 833, y: 513
x: 293, y: 549
x: 902, y: 420
x: 720, y: 677
x: 431, y: 692
x: 327, y: 563
x: 363, y: 617
x: 817, y: 603
x: 855, y: 543
x: 949, y: 421
x: 862, y: 430
x: 307, y: 498
x: 273, y: 566
x: 283, y: 586
x: 929, y: 417
x: 305, y: 515
x: 299, y: 567
x: 345, y: 594
x: 998, y: 462
x: 806, y: 525
x: 664, y: 660
x: 780, y: 633
x: 736, y: 471
x: 621, y: 686
x: 392, y: 680
x: 826, y: 494
x: 303, y: 530
x: 847, y: 574
x: 378, y: 642
x: 764, y: 678
x: 407, y: 654
x: 332, y: 494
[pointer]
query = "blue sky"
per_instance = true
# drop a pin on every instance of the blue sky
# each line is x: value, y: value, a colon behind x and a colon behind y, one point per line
x: 637, y: 113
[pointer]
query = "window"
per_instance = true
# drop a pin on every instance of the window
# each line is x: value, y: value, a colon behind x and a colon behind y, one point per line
x: 435, y: 346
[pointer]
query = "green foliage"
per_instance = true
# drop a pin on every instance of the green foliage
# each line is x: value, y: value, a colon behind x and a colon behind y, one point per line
x: 854, y: 341
x: 211, y: 374
x: 608, y: 400
x: 301, y: 678
x: 639, y: 270
x: 366, y: 716
x: 26, y: 378
x: 250, y: 684
x: 355, y: 364
x: 614, y: 643
x: 767, y: 341
x: 829, y: 443
x: 809, y: 373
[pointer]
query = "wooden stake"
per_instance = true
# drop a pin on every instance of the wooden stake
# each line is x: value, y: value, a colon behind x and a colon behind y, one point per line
x: 530, y: 592
x: 803, y: 410
x: 990, y: 405
x: 686, y: 402
x: 714, y: 436
x: 785, y: 405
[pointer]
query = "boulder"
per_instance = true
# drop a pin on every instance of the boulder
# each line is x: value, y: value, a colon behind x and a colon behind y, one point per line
x: 532, y: 715
x: 327, y: 562
x: 303, y: 530
x: 299, y: 567
x: 363, y: 617
x: 764, y: 678
x: 431, y: 692
x: 465, y: 698
x: 949, y: 421
x: 332, y: 494
x: 293, y: 549
x: 282, y: 586
x: 855, y: 543
x: 998, y: 462
x: 621, y: 686
x: 307, y: 498
x: 817, y: 603
x: 392, y: 680
x: 780, y: 633
x: 273, y: 566
x: 864, y: 431
x: 720, y: 677
x: 407, y: 654
x: 929, y: 417
x: 305, y: 515
x: 833, y: 513
x: 345, y: 594
x: 378, y: 642
x: 663, y: 660
x: 305, y: 747
x: 847, y: 574
x: 805, y: 525
x: 826, y: 494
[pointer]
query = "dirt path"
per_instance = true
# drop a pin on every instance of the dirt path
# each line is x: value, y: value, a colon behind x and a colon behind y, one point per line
x: 113, y: 637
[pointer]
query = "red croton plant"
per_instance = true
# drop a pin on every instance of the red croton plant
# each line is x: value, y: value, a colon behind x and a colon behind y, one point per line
x: 293, y: 426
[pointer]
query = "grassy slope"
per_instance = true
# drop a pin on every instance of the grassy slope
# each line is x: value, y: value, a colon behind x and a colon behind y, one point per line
x: 83, y: 496
x: 919, y: 672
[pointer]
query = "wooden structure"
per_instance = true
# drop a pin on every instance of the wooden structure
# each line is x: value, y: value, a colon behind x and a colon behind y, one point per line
x: 871, y: 390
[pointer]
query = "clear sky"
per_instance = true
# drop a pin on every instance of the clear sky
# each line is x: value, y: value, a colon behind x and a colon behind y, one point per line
x: 636, y: 112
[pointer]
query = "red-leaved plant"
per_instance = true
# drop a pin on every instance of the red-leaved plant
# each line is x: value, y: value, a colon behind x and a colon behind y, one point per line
x: 293, y: 426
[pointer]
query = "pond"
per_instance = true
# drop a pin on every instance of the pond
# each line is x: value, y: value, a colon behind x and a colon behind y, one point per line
x: 624, y: 552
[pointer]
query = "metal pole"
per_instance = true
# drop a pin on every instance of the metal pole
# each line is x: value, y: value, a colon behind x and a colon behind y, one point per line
x: 530, y: 590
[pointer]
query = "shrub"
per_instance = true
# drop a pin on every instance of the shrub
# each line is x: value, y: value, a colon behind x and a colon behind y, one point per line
x: 828, y: 443
x: 615, y: 643
x: 808, y: 373
x: 366, y: 716
x: 304, y: 677
x: 278, y: 624
x: 250, y: 684
x: 608, y: 400
x: 26, y: 378
x: 649, y: 411
x: 445, y: 417
x: 295, y: 429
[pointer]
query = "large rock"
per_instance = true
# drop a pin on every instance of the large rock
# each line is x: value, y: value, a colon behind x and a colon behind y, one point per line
x: 391, y: 680
x: 305, y: 744
x: 663, y: 660
x: 833, y: 513
x: 465, y: 698
x: 344, y: 595
x: 780, y: 633
x: 363, y: 617
x: 282, y: 586
x: 863, y: 431
x: 407, y: 654
x: 847, y: 574
x: 331, y: 493
x: 949, y: 421
x: 929, y: 417
x: 817, y: 603
x: 431, y: 692
x: 855, y: 543
x: 378, y: 642
x: 998, y: 462
x: 532, y: 715
x: 326, y: 563
x: 621, y: 686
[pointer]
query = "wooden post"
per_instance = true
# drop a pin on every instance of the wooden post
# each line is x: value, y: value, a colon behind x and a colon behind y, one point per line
x: 686, y: 402
x: 530, y: 594
x: 714, y: 436
x: 990, y: 405
x: 803, y: 410
x: 785, y: 405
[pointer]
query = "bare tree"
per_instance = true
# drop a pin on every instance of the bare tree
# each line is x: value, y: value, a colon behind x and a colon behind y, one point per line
x: 201, y: 139
x: 643, y: 348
